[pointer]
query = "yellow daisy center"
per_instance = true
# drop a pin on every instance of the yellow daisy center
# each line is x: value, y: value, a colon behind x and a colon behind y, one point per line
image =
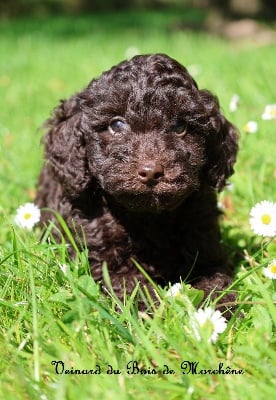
x: 273, y: 268
x: 272, y: 112
x: 209, y: 325
x: 27, y: 216
x: 266, y: 219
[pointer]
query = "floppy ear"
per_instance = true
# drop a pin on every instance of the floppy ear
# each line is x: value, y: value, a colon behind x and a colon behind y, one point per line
x: 222, y: 143
x: 65, y: 147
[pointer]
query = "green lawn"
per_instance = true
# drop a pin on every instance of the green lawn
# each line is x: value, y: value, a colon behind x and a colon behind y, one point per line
x: 48, y: 315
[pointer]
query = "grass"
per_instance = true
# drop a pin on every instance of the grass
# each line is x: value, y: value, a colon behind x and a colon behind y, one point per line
x: 50, y: 315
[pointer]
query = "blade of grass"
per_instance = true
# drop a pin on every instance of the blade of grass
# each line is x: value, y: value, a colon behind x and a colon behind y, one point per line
x: 35, y: 325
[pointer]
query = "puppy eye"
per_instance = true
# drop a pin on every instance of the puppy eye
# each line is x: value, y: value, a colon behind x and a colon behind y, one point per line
x: 117, y: 125
x: 179, y: 128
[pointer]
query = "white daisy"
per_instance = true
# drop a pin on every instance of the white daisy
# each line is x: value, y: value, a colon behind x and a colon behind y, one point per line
x: 210, y: 321
x: 174, y: 290
x: 194, y: 70
x: 234, y: 102
x: 251, y: 127
x: 190, y: 390
x: 270, y: 270
x: 27, y: 216
x: 131, y: 52
x: 263, y: 218
x: 230, y: 186
x: 269, y: 112
x: 64, y: 268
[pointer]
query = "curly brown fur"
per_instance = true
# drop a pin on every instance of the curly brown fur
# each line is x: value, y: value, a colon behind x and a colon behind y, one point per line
x: 134, y: 161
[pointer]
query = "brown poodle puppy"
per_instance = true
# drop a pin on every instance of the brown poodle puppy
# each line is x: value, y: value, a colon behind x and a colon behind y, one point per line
x: 133, y: 164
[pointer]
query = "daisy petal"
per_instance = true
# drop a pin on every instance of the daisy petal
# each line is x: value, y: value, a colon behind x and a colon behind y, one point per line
x: 234, y: 102
x: 174, y: 290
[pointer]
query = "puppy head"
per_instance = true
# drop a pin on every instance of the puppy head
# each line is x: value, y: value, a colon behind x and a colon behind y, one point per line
x: 145, y: 133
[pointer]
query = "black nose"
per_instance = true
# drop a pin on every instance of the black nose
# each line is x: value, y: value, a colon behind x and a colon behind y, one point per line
x: 150, y: 171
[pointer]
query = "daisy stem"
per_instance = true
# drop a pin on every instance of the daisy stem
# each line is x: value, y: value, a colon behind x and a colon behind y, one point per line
x: 15, y: 250
x: 35, y: 326
x: 264, y: 244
